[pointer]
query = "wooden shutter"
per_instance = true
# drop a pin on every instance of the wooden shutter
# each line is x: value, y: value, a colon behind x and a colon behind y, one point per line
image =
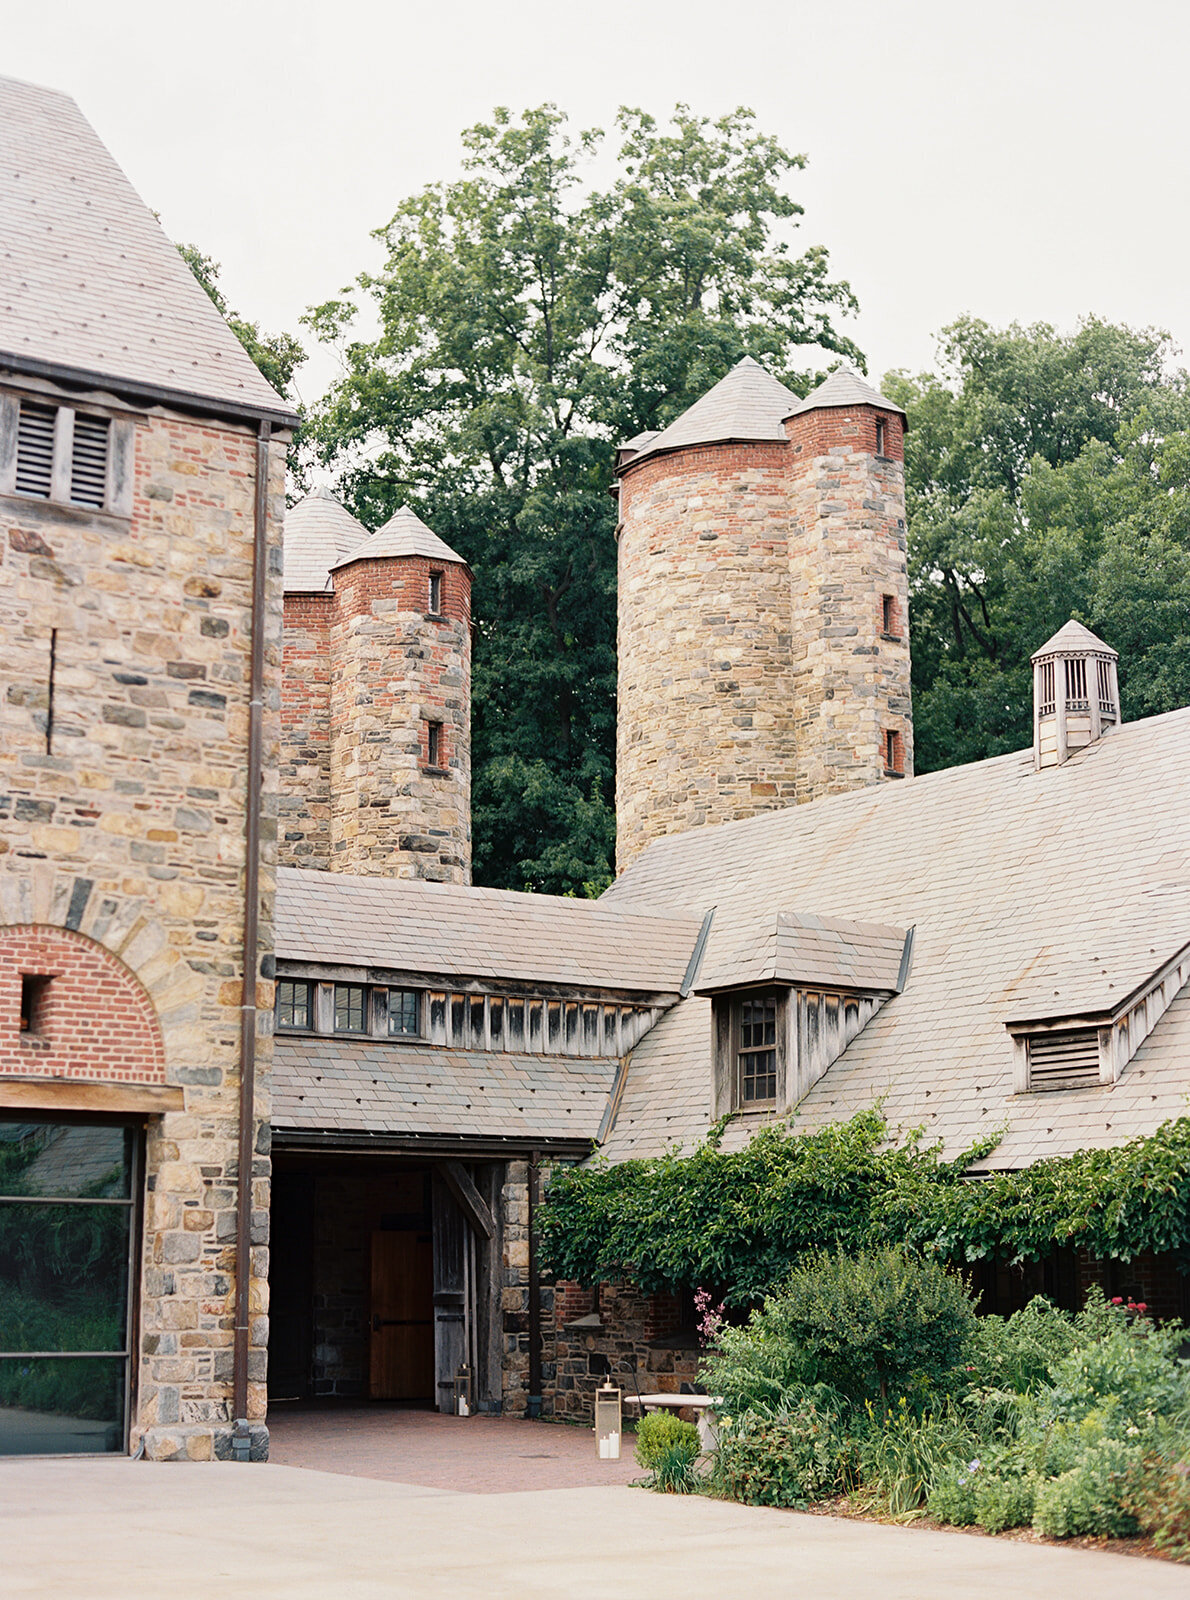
x: 35, y: 450
x: 88, y: 462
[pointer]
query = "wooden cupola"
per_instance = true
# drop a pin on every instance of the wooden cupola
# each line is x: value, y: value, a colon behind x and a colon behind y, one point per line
x: 1076, y: 694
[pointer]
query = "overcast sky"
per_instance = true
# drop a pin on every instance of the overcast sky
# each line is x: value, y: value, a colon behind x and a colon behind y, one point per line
x: 1019, y: 160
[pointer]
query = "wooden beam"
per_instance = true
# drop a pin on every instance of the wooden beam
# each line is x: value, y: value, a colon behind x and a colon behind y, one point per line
x: 475, y: 1207
x: 76, y: 1094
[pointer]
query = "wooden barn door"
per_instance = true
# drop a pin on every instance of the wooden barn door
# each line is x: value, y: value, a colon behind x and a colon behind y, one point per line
x: 401, y: 1357
x: 451, y: 1311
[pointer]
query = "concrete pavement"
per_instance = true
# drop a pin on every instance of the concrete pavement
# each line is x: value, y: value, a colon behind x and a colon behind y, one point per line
x: 102, y: 1529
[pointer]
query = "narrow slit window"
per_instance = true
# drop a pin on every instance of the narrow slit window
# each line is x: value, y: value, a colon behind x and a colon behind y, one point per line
x: 434, y: 744
x: 881, y: 436
x: 888, y: 614
x: 436, y: 593
x: 35, y: 994
x: 295, y: 1003
x: 892, y: 752
x: 350, y: 1007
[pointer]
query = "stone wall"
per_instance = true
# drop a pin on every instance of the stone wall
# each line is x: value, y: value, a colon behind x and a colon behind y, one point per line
x: 617, y: 1333
x: 129, y: 831
x: 514, y: 1301
x: 847, y: 552
x: 705, y: 720
x: 395, y: 669
x: 304, y: 805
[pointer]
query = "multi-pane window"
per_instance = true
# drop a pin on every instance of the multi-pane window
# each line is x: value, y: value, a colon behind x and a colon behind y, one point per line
x: 436, y: 592
x: 756, y: 1053
x: 62, y: 454
x: 350, y: 1007
x: 295, y: 1003
x: 404, y: 1011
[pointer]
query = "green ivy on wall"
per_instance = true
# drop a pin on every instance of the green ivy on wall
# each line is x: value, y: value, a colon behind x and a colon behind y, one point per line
x: 739, y: 1219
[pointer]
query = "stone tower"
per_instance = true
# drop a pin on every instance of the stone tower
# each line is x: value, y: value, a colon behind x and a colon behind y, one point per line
x: 400, y: 690
x: 319, y: 532
x: 763, y: 604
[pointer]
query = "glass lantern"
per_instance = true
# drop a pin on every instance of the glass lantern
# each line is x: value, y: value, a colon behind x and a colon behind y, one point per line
x: 607, y: 1421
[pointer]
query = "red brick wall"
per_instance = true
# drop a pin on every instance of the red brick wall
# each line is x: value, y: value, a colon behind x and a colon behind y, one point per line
x: 817, y: 433
x: 405, y: 580
x: 304, y: 808
x: 94, y: 1021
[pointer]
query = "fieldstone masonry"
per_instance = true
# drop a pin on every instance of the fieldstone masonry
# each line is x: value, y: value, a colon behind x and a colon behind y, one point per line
x: 126, y: 837
x: 763, y: 623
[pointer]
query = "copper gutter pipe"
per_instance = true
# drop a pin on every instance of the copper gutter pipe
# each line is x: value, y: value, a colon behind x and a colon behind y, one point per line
x: 247, y: 1143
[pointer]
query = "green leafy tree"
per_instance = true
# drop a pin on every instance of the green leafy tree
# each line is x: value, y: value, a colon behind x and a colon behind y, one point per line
x: 1047, y: 476
x: 278, y: 355
x: 529, y: 321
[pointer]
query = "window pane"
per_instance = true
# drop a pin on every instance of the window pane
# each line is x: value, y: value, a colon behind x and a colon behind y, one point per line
x: 349, y: 1008
x: 404, y: 1011
x: 46, y: 1158
x: 758, y: 1076
x: 63, y: 1276
x: 61, y: 1407
x: 293, y: 1003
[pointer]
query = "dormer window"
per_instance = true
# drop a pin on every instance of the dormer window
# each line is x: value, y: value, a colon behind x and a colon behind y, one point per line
x: 756, y: 1050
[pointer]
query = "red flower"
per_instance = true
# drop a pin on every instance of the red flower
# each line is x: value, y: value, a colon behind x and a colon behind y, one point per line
x: 1117, y: 1299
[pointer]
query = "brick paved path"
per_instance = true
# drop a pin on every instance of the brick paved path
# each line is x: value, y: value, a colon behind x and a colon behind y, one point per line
x: 472, y: 1455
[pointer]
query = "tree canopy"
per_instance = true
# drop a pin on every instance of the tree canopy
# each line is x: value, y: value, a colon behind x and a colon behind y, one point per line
x: 529, y: 321
x: 1047, y: 476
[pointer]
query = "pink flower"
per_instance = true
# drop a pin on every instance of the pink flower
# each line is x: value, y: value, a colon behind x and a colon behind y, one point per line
x: 1117, y: 1299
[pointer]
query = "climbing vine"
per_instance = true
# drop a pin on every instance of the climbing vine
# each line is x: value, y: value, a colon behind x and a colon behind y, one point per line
x: 738, y: 1219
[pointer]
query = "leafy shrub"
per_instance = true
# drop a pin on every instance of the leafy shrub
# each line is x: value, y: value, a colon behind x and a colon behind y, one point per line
x: 788, y: 1457
x: 1017, y: 1352
x: 1158, y: 1496
x: 884, y: 1322
x: 1091, y: 1496
x: 902, y: 1455
x: 660, y: 1431
x: 989, y: 1490
x: 673, y: 1472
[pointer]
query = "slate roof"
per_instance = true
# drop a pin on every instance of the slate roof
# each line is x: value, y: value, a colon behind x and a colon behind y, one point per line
x: 844, y: 387
x: 796, y: 948
x: 339, y: 1085
x: 1076, y: 877
x: 404, y: 534
x: 1073, y: 636
x: 89, y: 283
x: 318, y: 531
x: 439, y: 928
x: 748, y: 404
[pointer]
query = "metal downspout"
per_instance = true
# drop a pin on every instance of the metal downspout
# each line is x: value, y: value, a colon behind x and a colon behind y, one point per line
x: 247, y: 1142
x: 534, y: 1290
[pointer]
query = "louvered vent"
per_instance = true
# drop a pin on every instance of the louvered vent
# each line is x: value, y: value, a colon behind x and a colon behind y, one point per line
x: 1064, y: 1060
x: 35, y: 450
x: 88, y: 462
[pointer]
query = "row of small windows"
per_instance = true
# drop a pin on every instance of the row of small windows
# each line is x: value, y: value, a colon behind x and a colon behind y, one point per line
x: 462, y: 1021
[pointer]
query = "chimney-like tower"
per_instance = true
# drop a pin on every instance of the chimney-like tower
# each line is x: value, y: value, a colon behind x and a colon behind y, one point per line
x: 1076, y: 694
x: 849, y: 574
x: 319, y: 531
x: 401, y: 707
x: 763, y: 605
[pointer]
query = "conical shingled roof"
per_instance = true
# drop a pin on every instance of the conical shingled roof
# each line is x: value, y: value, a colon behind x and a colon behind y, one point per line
x: 748, y: 404
x: 844, y: 387
x: 91, y: 283
x: 319, y: 531
x: 404, y: 534
x: 1072, y: 636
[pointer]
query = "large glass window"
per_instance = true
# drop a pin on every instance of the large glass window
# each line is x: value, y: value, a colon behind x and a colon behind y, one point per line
x: 67, y: 1243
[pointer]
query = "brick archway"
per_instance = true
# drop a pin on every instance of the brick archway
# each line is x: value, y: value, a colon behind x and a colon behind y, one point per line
x: 71, y: 1009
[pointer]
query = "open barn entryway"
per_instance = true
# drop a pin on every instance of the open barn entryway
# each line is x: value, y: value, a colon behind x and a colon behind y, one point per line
x: 385, y: 1281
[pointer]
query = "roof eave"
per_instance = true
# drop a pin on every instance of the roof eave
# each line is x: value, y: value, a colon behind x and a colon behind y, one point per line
x: 154, y: 394
x: 692, y: 444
